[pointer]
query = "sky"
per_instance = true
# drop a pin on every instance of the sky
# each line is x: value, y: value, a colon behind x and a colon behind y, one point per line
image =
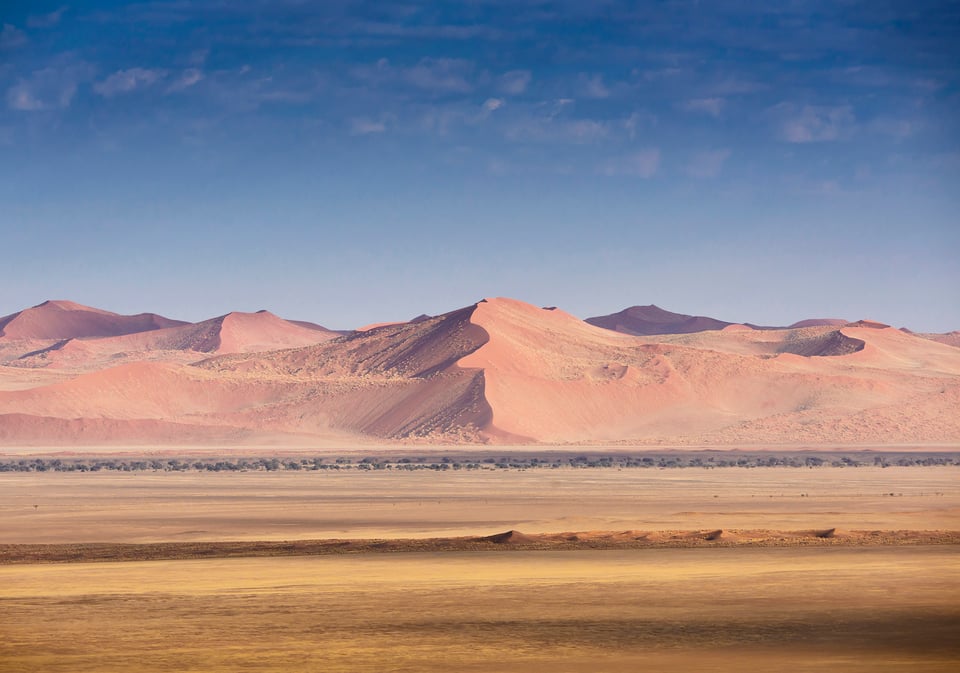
x: 351, y: 162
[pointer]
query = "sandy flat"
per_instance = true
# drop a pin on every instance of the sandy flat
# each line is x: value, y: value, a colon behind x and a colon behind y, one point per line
x: 157, y: 507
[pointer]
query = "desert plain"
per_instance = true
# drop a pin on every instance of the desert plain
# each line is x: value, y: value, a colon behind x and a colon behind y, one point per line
x: 606, y: 569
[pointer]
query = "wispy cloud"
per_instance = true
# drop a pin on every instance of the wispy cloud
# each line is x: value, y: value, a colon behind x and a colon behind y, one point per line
x: 489, y: 106
x: 22, y: 97
x: 642, y: 164
x: 898, y: 129
x: 49, y: 88
x: 554, y: 127
x: 732, y: 86
x: 11, y: 37
x: 47, y: 20
x: 583, y: 130
x: 392, y: 29
x: 440, y: 74
x: 436, y: 75
x: 125, y: 81
x: 362, y: 126
x: 592, y: 86
x: 707, y: 164
x: 812, y: 123
x: 187, y: 79
x: 637, y: 121
x: 663, y: 73
x: 515, y: 82
x: 244, y: 89
x: 199, y: 56
x: 711, y: 106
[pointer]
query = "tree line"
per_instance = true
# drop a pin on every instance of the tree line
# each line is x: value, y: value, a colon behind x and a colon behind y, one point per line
x: 447, y: 463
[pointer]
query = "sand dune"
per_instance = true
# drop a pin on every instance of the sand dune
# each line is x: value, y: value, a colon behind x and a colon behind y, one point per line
x: 497, y: 371
x: 648, y: 320
x: 184, y: 343
x: 394, y: 380
x: 819, y: 322
x: 67, y: 320
x: 260, y: 331
x: 950, y: 338
x: 542, y: 379
x: 652, y: 320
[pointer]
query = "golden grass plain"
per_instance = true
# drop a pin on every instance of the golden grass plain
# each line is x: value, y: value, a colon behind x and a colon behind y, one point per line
x: 871, y: 608
x: 875, y: 609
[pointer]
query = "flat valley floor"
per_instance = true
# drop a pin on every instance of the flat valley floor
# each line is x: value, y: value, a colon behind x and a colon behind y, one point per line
x: 794, y: 608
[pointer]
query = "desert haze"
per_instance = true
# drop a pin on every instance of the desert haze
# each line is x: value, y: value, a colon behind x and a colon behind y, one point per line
x: 499, y: 371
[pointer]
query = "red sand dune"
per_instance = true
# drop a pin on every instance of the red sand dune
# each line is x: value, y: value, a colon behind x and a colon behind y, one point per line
x: 231, y: 333
x: 262, y: 331
x: 498, y: 371
x: 67, y: 320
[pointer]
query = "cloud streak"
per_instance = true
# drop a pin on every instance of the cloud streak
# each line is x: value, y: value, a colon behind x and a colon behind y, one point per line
x: 711, y: 106
x: 127, y: 81
x: 363, y: 126
x: 814, y: 124
x: 643, y: 164
x: 432, y: 75
x: 187, y: 79
x: 515, y: 82
x: 50, y: 88
x: 47, y: 20
x: 11, y: 37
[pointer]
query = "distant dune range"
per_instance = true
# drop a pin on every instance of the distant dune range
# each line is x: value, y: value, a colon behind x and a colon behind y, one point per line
x: 499, y: 371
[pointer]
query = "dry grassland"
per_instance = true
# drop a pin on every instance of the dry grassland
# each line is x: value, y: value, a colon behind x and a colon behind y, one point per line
x: 874, y: 609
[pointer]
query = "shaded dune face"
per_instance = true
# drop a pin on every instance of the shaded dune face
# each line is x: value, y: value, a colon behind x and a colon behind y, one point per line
x: 650, y: 320
x: 406, y: 350
x: 823, y: 345
x: 394, y: 381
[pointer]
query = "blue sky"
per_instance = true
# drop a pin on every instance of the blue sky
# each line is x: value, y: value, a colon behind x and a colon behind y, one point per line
x: 349, y: 162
